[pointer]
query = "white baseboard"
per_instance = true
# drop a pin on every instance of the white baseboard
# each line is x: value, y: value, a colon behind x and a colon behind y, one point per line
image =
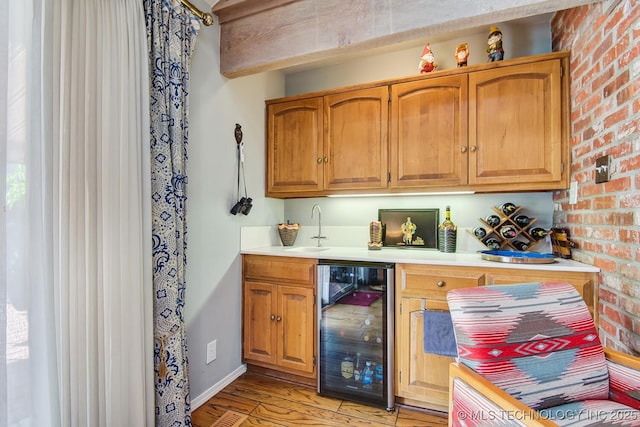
x: 216, y: 388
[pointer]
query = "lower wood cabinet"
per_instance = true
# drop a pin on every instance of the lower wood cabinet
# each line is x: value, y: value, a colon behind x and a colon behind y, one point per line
x: 422, y: 379
x: 279, y: 321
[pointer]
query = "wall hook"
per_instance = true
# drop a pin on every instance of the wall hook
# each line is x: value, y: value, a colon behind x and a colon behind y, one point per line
x: 238, y: 133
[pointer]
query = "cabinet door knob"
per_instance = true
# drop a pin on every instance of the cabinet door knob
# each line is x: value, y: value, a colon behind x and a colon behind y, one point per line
x: 440, y: 283
x: 463, y: 149
x: 278, y: 319
x: 326, y: 160
x: 319, y: 160
x: 273, y: 317
x: 473, y: 148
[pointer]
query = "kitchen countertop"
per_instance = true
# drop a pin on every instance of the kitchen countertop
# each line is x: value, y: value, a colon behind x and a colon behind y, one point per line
x: 411, y: 256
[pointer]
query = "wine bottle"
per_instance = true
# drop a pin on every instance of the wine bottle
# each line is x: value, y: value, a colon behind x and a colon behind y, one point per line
x: 537, y: 233
x: 492, y: 243
x: 520, y: 245
x: 480, y: 232
x: 508, y: 232
x: 447, y: 233
x: 522, y: 220
x: 508, y: 208
x: 492, y: 220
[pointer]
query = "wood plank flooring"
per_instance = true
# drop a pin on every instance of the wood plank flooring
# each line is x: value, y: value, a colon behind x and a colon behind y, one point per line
x: 271, y: 402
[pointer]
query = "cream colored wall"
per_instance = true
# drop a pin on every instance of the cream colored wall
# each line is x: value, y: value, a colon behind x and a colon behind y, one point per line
x: 518, y: 40
x: 213, y: 289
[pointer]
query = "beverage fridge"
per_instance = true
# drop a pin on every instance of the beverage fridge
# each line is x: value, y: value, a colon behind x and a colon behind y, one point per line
x: 355, y: 331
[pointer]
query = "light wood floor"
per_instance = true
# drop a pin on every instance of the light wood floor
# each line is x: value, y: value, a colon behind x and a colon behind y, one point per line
x: 270, y: 402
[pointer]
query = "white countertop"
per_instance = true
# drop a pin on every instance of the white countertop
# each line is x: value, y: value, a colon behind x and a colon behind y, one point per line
x: 343, y: 244
x: 412, y: 256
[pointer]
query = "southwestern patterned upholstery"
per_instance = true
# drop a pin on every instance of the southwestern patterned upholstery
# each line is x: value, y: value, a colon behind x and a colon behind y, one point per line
x: 538, y: 343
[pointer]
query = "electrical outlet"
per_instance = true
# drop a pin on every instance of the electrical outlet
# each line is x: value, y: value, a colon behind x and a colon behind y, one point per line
x: 603, y: 169
x: 211, y: 351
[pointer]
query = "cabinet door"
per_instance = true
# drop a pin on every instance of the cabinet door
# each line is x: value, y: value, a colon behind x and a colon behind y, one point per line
x: 423, y: 378
x: 259, y: 326
x: 356, y: 139
x: 296, y: 328
x: 515, y: 126
x: 295, y: 146
x: 428, y: 140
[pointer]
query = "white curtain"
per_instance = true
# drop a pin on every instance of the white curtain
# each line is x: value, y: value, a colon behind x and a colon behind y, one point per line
x: 75, y: 307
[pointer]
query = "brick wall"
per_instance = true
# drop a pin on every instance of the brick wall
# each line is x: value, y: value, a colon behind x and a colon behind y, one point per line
x: 605, y: 119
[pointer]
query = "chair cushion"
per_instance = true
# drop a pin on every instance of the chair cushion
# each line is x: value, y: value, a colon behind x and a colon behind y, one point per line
x: 593, y: 413
x: 536, y: 341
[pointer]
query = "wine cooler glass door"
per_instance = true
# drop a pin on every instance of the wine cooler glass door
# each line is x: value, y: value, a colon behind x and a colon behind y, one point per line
x: 355, y: 316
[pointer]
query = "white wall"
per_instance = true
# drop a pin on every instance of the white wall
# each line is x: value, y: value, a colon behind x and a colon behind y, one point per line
x: 518, y: 40
x: 213, y: 289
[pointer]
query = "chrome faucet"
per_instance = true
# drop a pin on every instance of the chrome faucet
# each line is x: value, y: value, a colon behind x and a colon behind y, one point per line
x: 319, y: 236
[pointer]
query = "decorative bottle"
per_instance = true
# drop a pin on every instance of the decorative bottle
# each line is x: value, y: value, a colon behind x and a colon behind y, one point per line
x: 447, y: 233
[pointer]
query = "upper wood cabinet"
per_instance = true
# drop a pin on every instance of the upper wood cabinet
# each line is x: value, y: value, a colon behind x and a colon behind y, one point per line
x: 515, y: 126
x: 330, y: 143
x: 428, y: 141
x: 295, y: 146
x: 500, y: 126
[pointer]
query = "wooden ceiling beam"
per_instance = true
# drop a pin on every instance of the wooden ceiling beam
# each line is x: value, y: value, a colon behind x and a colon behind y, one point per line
x: 264, y: 35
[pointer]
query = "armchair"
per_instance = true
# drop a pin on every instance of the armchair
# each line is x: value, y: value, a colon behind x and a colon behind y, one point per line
x: 529, y: 355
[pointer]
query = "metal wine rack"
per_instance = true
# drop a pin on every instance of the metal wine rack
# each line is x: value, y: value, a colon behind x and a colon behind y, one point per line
x: 508, y: 243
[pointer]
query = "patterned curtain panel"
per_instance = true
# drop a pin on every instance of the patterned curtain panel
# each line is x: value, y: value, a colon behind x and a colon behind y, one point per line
x: 171, y: 34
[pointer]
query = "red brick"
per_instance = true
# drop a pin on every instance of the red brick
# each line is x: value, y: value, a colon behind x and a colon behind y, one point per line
x: 602, y: 78
x: 628, y: 57
x: 630, y: 164
x: 608, y: 328
x: 604, y: 233
x: 605, y: 264
x: 621, y: 149
x: 591, y: 190
x: 619, y: 184
x: 619, y: 218
x: 613, y: 20
x: 629, y: 21
x: 619, y: 251
x: 631, y: 271
x: 630, y: 200
x: 629, y: 236
x: 592, y: 246
x: 606, y: 295
x: 616, y: 117
x: 606, y: 202
x: 620, y: 80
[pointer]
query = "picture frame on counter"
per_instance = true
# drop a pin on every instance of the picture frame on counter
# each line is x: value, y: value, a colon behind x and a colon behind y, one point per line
x: 409, y: 228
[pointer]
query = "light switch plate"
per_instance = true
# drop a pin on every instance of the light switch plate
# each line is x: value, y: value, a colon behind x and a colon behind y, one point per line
x: 573, y: 193
x: 603, y: 169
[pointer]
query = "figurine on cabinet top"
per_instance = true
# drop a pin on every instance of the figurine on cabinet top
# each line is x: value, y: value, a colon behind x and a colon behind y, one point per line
x: 495, y: 50
x: 462, y: 54
x: 427, y: 60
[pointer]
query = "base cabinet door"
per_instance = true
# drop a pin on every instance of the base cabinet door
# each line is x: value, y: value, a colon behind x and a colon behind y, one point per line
x: 422, y: 378
x: 295, y: 328
x: 279, y: 314
x: 260, y: 335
